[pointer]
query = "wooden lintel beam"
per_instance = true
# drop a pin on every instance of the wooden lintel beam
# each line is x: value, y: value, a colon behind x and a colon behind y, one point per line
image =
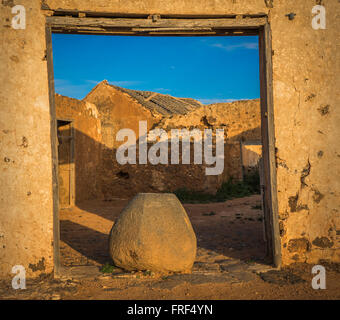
x: 169, y: 29
x: 74, y: 24
x: 182, y: 33
x: 100, y: 31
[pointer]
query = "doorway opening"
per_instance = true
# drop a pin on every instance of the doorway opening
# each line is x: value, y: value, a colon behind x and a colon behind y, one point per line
x: 65, y: 163
x: 266, y: 203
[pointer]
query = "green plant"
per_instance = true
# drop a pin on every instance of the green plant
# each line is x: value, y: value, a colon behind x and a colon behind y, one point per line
x: 107, y: 268
x: 250, y: 261
x: 253, y: 181
x: 229, y: 190
x: 190, y: 196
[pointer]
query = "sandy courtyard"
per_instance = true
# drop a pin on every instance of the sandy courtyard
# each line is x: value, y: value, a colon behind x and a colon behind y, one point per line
x: 229, y: 263
x: 227, y: 230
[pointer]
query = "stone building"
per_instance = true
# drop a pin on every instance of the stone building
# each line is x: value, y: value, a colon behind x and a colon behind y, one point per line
x: 107, y: 109
x: 299, y: 115
x: 122, y: 108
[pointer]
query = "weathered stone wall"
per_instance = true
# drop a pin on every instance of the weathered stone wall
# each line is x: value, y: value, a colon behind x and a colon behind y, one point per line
x: 305, y: 68
x: 124, y: 181
x: 87, y: 144
x: 306, y: 118
x: 241, y: 123
x: 240, y: 120
x: 118, y: 111
x: 180, y: 7
x: 26, y: 214
x: 251, y: 153
x: 98, y: 175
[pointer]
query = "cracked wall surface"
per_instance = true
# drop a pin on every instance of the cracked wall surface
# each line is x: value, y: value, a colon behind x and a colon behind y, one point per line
x: 26, y: 211
x: 306, y: 119
x: 305, y: 63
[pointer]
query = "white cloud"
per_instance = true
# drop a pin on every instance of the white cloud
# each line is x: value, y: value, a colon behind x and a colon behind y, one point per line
x: 231, y: 47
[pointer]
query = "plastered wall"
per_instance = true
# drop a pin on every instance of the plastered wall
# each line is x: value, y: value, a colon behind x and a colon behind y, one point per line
x: 306, y: 119
x: 306, y: 110
x: 26, y: 216
x: 87, y: 144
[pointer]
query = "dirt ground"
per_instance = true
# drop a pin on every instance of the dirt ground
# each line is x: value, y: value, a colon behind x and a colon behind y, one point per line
x: 230, y: 261
x: 225, y: 230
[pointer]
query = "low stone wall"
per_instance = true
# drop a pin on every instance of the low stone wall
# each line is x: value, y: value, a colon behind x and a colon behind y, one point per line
x: 124, y: 181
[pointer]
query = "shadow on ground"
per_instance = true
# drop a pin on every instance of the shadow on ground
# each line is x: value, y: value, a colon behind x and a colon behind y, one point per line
x: 224, y: 231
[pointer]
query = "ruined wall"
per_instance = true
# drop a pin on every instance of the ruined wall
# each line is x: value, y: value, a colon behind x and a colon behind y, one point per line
x: 241, y: 123
x: 26, y: 215
x: 87, y: 144
x: 251, y: 153
x: 180, y: 7
x: 125, y: 181
x: 97, y: 172
x: 305, y: 68
x: 118, y: 111
x: 240, y: 119
x: 306, y: 118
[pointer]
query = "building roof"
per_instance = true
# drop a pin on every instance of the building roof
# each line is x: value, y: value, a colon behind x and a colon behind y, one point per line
x: 161, y: 103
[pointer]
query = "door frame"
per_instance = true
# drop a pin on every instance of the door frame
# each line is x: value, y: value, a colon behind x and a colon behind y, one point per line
x: 80, y: 22
x: 72, y: 159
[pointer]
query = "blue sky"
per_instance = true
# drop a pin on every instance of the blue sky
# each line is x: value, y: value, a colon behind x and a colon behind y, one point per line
x: 209, y: 69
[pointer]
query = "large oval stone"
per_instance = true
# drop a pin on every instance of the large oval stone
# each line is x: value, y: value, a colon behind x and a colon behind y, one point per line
x: 154, y: 233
